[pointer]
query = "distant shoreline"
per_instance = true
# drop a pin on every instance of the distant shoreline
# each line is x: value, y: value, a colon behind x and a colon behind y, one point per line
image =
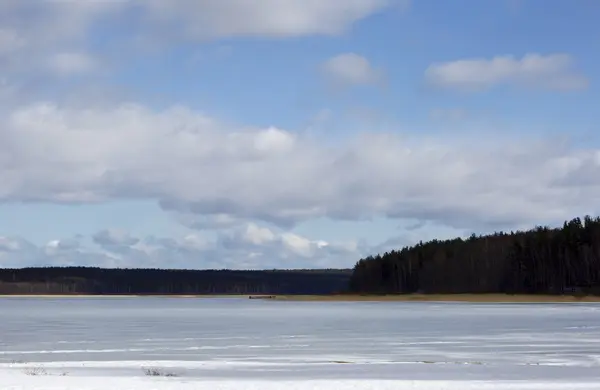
x: 467, y: 298
x: 123, y: 296
x: 472, y: 298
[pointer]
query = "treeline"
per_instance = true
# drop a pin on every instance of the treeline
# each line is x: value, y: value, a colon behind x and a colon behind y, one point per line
x: 86, y: 280
x: 539, y: 261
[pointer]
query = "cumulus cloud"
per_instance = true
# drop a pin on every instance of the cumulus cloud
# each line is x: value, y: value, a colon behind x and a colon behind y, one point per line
x: 261, y: 245
x: 256, y: 235
x: 351, y: 69
x: 193, y: 164
x: 17, y: 252
x: 553, y: 72
x: 246, y: 247
x: 65, y: 244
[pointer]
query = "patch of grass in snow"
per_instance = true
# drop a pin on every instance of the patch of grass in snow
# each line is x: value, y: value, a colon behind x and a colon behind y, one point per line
x: 153, y: 371
x: 35, y: 371
x: 40, y: 371
x: 433, y: 362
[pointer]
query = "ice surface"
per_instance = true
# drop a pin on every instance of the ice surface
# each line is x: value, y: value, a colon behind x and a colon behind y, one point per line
x: 103, y: 383
x: 107, y: 343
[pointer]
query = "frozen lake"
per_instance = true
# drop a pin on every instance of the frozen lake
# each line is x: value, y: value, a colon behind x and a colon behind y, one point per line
x: 215, y: 343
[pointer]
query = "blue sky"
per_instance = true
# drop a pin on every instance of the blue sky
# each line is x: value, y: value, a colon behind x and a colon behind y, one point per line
x: 289, y: 133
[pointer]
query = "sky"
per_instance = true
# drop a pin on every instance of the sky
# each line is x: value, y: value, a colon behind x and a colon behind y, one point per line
x: 255, y: 134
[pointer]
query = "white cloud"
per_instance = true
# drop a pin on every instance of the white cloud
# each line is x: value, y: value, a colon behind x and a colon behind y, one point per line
x: 58, y: 248
x: 195, y: 165
x: 195, y: 242
x: 69, y: 63
x: 300, y: 245
x: 273, y: 141
x: 554, y: 71
x: 351, y: 69
x: 256, y: 235
x: 271, y: 18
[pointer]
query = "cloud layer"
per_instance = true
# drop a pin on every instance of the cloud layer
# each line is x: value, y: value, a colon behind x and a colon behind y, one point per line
x: 194, y: 164
x: 248, y: 246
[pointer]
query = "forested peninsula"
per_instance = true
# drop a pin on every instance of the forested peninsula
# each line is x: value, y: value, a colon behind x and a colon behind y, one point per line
x: 543, y: 260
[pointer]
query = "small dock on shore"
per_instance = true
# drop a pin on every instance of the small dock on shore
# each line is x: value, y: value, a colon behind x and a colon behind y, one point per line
x: 261, y: 297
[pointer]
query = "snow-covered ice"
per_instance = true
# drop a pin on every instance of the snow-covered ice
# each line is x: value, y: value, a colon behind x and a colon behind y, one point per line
x: 111, y: 343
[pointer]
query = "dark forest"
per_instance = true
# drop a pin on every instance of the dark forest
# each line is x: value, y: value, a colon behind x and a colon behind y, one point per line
x: 543, y: 260
x: 83, y: 280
